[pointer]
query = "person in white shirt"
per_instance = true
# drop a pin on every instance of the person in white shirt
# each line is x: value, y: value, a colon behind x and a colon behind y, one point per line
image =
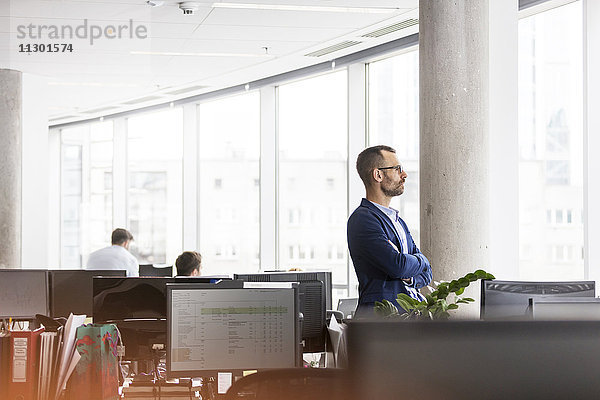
x: 117, y: 256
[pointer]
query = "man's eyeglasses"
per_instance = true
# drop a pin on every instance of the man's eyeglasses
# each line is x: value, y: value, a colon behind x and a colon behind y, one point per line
x: 394, y: 167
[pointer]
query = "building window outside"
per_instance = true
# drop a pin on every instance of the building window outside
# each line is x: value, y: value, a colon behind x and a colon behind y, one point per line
x: 229, y: 149
x: 393, y: 92
x: 313, y: 138
x: 551, y: 143
x: 155, y: 201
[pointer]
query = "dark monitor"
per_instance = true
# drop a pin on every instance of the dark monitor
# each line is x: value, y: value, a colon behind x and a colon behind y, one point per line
x: 315, y: 300
x: 475, y: 360
x: 215, y: 329
x: 565, y: 309
x: 71, y: 291
x: 151, y: 270
x: 23, y: 293
x: 510, y: 299
x: 138, y: 306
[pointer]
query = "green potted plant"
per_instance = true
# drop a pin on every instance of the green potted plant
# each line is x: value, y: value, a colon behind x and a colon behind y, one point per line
x: 436, y: 304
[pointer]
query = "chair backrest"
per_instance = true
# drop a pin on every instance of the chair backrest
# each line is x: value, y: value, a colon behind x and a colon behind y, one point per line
x: 348, y: 306
x: 292, y: 384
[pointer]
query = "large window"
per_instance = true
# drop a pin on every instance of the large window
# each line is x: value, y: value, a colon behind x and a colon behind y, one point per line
x: 228, y: 190
x: 313, y: 160
x: 101, y: 186
x: 86, y: 187
x: 551, y: 144
x: 394, y: 121
x: 155, y: 200
x: 71, y: 195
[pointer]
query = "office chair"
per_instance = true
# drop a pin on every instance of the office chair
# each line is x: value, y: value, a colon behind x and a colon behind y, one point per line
x: 348, y: 306
x: 291, y: 384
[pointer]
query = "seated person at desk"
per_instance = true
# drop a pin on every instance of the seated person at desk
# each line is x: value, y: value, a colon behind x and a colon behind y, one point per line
x: 189, y: 263
x: 117, y: 256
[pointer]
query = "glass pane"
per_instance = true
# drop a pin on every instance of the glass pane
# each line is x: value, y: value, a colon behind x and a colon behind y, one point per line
x: 100, y: 186
x: 71, y: 196
x: 154, y: 203
x: 394, y: 121
x: 551, y: 143
x: 313, y: 137
x: 228, y: 194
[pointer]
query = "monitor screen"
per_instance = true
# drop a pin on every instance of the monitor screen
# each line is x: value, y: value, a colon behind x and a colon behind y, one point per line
x: 71, y: 291
x: 216, y: 329
x: 23, y: 293
x: 151, y: 270
x: 566, y: 309
x: 138, y: 306
x: 510, y: 299
x: 474, y: 359
x: 315, y: 298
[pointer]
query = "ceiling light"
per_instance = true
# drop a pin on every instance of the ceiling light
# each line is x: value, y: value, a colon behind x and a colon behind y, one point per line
x: 163, y: 53
x: 282, y: 7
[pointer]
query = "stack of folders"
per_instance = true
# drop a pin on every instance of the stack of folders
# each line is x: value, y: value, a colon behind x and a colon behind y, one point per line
x: 152, y: 391
x: 35, y: 365
x: 49, y: 346
x: 4, y: 363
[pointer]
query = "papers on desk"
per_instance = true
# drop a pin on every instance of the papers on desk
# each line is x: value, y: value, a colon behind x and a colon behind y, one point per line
x: 68, y: 356
x: 337, y: 335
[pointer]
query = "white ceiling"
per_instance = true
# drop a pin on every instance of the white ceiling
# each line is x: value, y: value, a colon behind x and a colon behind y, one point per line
x: 109, y: 72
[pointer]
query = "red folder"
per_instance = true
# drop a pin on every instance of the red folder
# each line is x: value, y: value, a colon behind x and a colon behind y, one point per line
x: 24, y: 353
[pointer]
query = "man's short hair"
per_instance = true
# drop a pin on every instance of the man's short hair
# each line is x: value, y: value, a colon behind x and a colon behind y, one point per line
x: 187, y: 262
x: 369, y: 159
x: 120, y: 236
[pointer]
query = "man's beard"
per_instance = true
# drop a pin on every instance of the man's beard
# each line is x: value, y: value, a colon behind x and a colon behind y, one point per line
x: 392, y: 192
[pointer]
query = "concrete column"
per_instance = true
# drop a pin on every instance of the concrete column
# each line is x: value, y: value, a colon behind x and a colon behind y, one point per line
x: 10, y: 168
x: 454, y: 142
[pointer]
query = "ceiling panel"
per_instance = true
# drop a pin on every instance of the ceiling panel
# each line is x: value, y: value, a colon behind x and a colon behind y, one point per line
x: 333, y: 3
x: 123, y: 75
x: 276, y: 33
x: 292, y: 19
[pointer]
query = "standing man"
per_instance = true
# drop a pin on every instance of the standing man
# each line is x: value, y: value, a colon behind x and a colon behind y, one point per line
x: 385, y: 257
x: 116, y: 256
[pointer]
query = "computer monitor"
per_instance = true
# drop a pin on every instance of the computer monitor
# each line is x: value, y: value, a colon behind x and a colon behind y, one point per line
x: 565, y: 309
x: 23, y: 293
x: 138, y: 306
x: 152, y: 270
x: 315, y: 300
x: 72, y: 291
x: 475, y: 360
x: 510, y: 299
x: 215, y: 329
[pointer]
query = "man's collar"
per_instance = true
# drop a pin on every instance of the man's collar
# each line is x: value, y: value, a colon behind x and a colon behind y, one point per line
x: 387, y: 210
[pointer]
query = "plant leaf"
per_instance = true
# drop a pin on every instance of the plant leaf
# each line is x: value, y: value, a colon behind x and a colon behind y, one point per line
x: 460, y: 291
x: 452, y: 306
